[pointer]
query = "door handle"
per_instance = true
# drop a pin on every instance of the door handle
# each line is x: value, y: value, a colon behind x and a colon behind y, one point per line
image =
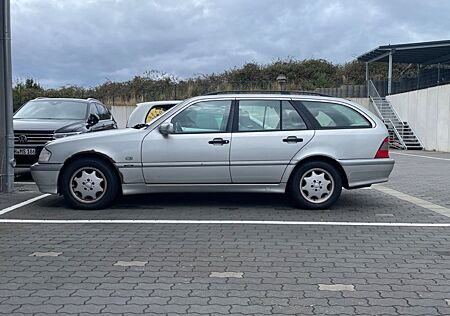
x: 292, y: 139
x: 218, y: 141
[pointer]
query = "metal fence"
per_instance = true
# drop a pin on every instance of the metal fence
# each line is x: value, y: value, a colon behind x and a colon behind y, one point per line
x: 426, y: 78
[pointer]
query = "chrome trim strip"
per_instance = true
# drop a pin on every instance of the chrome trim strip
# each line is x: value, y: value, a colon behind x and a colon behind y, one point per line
x: 362, y: 162
x: 214, y: 164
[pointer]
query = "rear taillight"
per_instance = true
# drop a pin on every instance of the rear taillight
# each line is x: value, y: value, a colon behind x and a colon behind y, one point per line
x: 383, y: 151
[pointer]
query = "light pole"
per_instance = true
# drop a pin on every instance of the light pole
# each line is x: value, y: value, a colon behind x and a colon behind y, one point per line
x: 281, y: 79
x: 6, y: 108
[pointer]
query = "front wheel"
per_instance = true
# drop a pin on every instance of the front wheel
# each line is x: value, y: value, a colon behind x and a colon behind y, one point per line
x: 315, y: 185
x: 89, y: 184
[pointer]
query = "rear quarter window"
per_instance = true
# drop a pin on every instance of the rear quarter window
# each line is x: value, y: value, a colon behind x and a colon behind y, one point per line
x: 333, y: 115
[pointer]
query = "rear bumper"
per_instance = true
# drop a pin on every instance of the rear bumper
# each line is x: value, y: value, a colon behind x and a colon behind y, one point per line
x: 46, y: 176
x: 364, y: 172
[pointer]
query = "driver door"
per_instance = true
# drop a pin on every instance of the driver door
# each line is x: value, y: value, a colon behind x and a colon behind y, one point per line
x: 198, y: 149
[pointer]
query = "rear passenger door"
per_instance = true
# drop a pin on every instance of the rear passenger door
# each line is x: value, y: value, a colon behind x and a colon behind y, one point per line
x: 266, y: 136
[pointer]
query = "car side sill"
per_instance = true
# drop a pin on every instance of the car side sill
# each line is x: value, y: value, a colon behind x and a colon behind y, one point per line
x: 203, y: 187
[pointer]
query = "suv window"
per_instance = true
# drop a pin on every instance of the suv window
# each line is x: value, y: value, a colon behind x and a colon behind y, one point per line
x: 203, y: 117
x: 93, y: 109
x: 266, y: 115
x: 53, y: 109
x: 333, y: 115
x: 103, y: 112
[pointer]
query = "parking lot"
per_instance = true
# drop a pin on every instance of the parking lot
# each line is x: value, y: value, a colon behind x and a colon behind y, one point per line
x: 379, y: 251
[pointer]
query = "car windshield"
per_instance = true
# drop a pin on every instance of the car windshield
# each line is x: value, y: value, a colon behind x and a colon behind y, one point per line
x: 53, y: 109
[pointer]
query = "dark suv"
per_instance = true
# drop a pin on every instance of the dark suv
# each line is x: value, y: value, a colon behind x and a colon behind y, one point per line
x: 42, y: 120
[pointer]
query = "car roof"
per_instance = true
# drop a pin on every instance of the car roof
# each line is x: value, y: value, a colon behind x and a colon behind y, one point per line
x: 269, y: 96
x: 61, y: 99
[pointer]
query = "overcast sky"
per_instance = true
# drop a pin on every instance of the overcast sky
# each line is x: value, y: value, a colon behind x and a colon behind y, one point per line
x: 86, y: 42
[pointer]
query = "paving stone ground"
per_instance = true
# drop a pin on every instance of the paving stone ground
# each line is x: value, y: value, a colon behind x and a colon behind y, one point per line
x: 286, y: 270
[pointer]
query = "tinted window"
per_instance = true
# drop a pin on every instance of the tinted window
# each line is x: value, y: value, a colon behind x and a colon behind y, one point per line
x: 103, y: 112
x: 53, y: 109
x: 203, y: 117
x: 333, y: 115
x: 93, y: 109
x: 291, y: 120
x: 259, y: 115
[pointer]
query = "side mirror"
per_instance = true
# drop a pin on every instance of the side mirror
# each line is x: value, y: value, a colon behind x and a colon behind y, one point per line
x: 166, y: 128
x: 92, y: 120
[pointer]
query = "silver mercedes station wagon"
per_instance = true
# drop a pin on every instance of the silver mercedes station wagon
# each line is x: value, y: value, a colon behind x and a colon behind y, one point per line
x: 307, y: 146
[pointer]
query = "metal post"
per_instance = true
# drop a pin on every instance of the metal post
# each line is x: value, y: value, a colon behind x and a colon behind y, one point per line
x: 6, y: 108
x: 390, y: 74
x: 439, y: 73
x: 418, y: 76
x: 367, y: 77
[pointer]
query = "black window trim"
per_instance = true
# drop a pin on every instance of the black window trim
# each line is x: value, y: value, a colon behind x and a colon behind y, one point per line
x: 316, y: 124
x: 309, y: 125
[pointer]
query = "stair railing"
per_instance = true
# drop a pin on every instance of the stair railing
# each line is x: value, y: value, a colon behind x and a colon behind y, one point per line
x: 417, y: 137
x: 397, y: 134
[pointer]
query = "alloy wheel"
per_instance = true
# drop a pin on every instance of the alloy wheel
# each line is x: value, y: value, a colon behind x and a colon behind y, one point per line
x: 316, y: 185
x: 88, y: 185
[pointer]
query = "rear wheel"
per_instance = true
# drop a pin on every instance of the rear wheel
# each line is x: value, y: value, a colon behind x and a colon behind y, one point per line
x: 89, y: 184
x: 315, y: 185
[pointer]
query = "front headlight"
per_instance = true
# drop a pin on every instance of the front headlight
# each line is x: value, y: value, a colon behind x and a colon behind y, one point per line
x: 45, y: 155
x: 61, y: 135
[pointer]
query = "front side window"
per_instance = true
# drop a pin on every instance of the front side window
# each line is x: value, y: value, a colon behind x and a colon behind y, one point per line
x: 52, y: 109
x: 333, y: 115
x: 268, y: 115
x: 103, y: 112
x: 203, y: 117
x: 94, y: 109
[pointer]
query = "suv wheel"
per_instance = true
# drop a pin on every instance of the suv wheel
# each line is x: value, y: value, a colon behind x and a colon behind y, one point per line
x: 89, y: 184
x: 315, y: 185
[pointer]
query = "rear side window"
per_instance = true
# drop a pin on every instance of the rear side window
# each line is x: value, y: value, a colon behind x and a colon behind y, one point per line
x: 259, y: 115
x: 333, y: 115
x: 268, y: 115
x: 291, y: 119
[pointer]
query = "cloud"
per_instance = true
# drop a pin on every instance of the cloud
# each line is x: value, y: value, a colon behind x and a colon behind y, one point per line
x: 87, y: 42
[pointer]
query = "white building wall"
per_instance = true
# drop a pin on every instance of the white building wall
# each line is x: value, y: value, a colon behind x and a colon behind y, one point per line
x: 428, y: 113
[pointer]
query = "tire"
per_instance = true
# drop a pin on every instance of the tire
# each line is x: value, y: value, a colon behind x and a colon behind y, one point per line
x: 312, y: 176
x: 89, y: 184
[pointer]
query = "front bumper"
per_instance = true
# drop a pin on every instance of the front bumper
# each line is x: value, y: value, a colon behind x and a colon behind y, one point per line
x: 46, y: 176
x: 364, y: 172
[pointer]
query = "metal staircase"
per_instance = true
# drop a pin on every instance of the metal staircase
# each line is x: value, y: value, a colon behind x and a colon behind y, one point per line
x: 401, y: 134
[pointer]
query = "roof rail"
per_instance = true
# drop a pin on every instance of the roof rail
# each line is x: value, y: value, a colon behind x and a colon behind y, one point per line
x: 270, y: 92
x: 41, y: 98
x: 93, y: 99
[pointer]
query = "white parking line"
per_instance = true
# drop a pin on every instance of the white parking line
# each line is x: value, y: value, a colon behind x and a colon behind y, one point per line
x: 213, y: 222
x: 421, y: 156
x: 16, y: 206
x: 414, y: 200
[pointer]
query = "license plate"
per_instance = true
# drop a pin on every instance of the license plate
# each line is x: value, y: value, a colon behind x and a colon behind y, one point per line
x: 25, y: 151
